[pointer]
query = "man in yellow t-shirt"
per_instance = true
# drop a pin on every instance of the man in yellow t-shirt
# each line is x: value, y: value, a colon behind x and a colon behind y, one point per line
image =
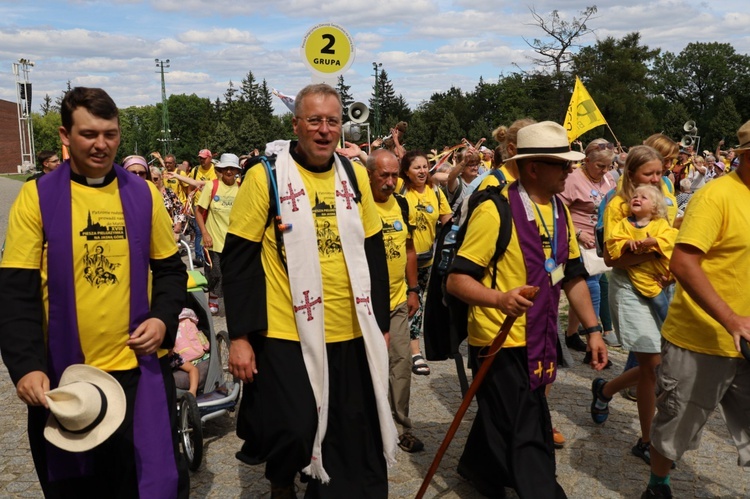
x: 708, y: 319
x: 83, y: 244
x: 170, y: 164
x: 215, y: 207
x: 383, y: 167
x: 512, y: 426
x: 202, y: 174
x: 284, y: 394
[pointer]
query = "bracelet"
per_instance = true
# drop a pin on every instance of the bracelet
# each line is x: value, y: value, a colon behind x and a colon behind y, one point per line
x: 415, y: 289
x: 578, y: 234
x: 592, y: 329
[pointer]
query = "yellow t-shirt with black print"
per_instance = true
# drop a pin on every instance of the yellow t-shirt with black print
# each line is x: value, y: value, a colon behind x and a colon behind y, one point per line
x: 177, y: 188
x: 427, y: 209
x: 717, y: 224
x: 479, y: 247
x: 248, y: 220
x: 207, y: 175
x: 100, y: 264
x: 217, y: 222
x: 395, y: 235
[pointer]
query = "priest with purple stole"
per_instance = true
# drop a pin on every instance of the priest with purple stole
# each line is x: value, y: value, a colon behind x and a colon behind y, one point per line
x: 91, y: 275
x: 511, y: 443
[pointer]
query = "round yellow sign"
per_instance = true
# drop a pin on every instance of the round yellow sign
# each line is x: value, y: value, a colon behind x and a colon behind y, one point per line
x: 327, y: 49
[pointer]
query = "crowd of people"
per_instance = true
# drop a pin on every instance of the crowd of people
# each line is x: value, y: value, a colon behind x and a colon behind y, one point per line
x: 321, y: 254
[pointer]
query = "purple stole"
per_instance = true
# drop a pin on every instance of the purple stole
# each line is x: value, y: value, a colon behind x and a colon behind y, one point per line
x: 541, y: 318
x: 152, y: 434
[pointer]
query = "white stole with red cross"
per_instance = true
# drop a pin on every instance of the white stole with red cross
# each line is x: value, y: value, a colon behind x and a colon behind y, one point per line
x: 305, y: 282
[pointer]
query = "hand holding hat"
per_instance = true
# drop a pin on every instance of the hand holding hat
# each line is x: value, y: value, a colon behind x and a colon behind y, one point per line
x: 86, y: 408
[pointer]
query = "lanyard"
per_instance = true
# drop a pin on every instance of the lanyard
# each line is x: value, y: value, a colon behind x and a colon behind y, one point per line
x: 553, y: 237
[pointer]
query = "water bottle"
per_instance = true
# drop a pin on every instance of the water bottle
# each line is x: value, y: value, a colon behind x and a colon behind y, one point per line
x: 448, y: 244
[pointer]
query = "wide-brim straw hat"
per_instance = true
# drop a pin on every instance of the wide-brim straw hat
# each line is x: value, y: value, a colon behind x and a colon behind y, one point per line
x: 743, y: 134
x: 85, y: 409
x: 544, y: 140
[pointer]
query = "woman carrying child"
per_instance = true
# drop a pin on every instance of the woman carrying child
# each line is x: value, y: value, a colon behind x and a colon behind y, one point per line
x: 632, y: 314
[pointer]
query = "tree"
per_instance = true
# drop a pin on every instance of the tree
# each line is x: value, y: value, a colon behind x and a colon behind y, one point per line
x: 223, y: 140
x: 616, y: 74
x: 47, y: 105
x: 556, y: 53
x: 700, y: 77
x: 58, y: 101
x: 46, y: 134
x: 344, y: 91
x: 725, y: 124
x: 193, y: 120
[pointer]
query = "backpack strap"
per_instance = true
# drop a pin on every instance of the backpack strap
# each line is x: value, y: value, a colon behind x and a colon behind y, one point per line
x: 404, y: 204
x: 668, y: 183
x: 495, y: 172
x: 349, y: 169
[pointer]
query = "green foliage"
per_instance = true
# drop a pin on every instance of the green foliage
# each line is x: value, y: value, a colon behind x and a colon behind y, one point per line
x: 724, y: 125
x: 46, y: 134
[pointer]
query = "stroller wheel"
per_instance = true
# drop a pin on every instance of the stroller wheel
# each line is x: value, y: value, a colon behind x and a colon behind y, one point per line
x: 191, y: 432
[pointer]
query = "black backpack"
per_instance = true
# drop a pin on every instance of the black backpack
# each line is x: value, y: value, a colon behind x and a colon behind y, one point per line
x: 441, y: 308
x: 274, y: 209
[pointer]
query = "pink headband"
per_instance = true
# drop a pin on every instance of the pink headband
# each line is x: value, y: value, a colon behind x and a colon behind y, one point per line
x: 134, y: 160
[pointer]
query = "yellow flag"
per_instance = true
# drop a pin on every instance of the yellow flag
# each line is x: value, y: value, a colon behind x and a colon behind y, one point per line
x: 582, y: 115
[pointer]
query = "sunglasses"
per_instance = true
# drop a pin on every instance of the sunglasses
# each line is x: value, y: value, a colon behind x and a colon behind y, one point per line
x: 140, y: 173
x: 560, y: 164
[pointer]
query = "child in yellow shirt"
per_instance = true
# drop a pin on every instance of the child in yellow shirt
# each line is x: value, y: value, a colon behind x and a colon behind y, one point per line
x: 646, y: 229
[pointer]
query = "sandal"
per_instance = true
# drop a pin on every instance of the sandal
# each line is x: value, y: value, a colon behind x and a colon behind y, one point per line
x: 410, y: 443
x: 419, y: 366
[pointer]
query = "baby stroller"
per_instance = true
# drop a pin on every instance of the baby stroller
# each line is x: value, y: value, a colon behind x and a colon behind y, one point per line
x: 218, y: 390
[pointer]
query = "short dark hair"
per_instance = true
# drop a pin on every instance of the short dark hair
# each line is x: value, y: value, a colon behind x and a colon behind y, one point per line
x: 44, y: 156
x: 95, y: 100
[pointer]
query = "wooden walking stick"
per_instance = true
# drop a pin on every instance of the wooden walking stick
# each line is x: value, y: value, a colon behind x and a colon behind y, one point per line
x: 529, y: 293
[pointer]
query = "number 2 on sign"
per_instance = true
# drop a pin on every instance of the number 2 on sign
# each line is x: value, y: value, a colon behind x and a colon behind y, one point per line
x: 328, y: 49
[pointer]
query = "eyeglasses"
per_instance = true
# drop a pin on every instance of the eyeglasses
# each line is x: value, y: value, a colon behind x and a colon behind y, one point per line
x: 140, y: 173
x: 315, y: 122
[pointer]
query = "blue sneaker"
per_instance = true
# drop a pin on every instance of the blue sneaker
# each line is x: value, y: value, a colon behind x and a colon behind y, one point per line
x: 598, y: 414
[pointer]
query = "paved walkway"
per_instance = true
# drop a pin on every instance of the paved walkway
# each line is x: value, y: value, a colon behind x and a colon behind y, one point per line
x: 596, y: 461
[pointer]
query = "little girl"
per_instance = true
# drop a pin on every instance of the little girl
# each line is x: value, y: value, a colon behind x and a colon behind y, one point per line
x: 646, y: 229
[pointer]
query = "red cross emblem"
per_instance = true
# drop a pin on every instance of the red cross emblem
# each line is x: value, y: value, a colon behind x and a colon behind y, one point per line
x: 366, y: 301
x: 308, y: 305
x: 346, y: 194
x: 292, y: 196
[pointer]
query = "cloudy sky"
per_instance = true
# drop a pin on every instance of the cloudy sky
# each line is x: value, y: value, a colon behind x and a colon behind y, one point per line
x: 424, y: 45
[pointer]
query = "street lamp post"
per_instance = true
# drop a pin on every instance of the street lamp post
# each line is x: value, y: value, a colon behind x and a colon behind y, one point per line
x: 376, y: 108
x: 166, y: 133
x: 25, y: 125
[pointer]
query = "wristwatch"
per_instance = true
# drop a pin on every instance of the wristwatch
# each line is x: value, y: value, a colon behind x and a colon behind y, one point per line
x: 415, y: 289
x: 592, y: 329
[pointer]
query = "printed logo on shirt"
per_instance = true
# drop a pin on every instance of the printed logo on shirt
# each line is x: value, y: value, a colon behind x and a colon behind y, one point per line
x: 98, y: 265
x: 324, y: 212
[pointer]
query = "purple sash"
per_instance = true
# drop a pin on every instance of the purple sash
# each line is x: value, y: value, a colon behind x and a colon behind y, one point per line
x: 541, y: 319
x: 155, y: 460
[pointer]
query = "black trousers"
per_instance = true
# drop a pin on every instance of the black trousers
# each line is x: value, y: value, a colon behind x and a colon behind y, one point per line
x: 114, y: 468
x: 510, y: 443
x: 278, y: 419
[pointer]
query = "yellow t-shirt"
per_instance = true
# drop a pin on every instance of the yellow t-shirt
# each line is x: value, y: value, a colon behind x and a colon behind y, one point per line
x: 479, y: 246
x: 644, y: 275
x: 395, y: 234
x: 248, y: 220
x: 217, y: 222
x: 717, y: 224
x: 198, y: 173
x: 177, y: 187
x: 427, y: 209
x: 618, y: 208
x: 100, y: 264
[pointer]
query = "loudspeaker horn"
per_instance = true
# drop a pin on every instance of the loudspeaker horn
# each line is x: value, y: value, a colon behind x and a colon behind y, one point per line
x: 690, y: 128
x: 358, y: 112
x: 687, y: 141
x: 352, y: 131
